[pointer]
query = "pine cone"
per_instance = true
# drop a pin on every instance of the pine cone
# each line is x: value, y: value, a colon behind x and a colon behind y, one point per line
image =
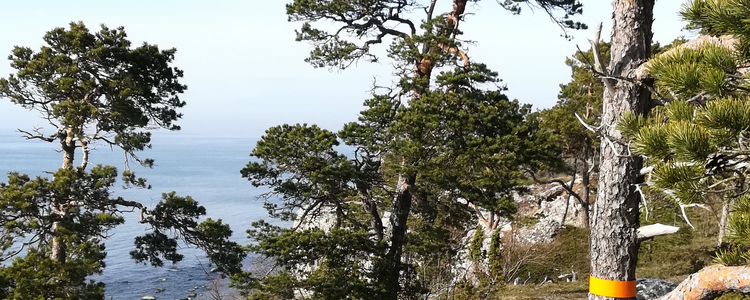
x: 716, y: 163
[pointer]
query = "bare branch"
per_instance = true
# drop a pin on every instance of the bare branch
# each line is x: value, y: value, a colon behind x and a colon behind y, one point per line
x: 567, y: 188
x: 643, y: 198
x: 598, y: 61
x: 479, y: 214
x: 587, y: 126
x: 37, y: 134
x: 461, y: 54
x: 653, y: 230
x: 307, y: 210
x: 85, y: 154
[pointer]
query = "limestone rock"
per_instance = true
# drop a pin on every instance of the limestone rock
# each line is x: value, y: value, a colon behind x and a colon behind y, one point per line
x: 649, y: 289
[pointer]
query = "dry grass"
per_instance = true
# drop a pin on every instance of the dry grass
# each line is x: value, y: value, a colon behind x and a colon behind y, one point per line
x: 563, y: 290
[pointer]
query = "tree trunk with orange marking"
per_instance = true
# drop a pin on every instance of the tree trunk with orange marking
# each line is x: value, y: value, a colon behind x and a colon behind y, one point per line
x: 613, y: 241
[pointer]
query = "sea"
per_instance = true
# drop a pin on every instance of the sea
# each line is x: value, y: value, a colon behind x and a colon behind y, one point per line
x: 206, y: 168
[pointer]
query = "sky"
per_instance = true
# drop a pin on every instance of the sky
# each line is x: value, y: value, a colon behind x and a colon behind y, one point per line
x: 245, y: 72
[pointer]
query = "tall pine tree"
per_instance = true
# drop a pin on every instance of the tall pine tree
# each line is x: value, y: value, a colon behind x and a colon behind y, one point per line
x: 433, y: 138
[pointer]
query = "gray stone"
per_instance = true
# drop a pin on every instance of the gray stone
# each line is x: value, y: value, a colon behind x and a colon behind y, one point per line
x: 148, y: 297
x: 649, y: 289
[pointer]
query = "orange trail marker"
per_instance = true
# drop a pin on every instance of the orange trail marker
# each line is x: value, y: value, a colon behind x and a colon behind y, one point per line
x: 612, y: 288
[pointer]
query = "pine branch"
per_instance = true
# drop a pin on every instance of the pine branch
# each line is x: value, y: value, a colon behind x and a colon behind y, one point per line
x: 567, y: 188
x: 643, y: 198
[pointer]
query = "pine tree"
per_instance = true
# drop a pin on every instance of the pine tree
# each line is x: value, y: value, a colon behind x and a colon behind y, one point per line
x: 695, y: 143
x: 470, y: 144
x: 93, y: 88
x: 419, y: 146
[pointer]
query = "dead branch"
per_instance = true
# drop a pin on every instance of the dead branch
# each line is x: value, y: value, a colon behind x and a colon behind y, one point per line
x: 650, y: 231
x: 643, y: 198
x: 85, y: 154
x: 598, y: 61
x: 307, y: 210
x: 567, y: 188
x: 711, y: 282
x: 456, y: 51
x: 38, y: 135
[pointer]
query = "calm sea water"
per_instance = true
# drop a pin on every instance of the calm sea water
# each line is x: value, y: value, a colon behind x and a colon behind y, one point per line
x: 206, y: 168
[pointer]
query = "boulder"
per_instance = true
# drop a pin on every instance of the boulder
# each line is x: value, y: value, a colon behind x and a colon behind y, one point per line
x: 649, y: 289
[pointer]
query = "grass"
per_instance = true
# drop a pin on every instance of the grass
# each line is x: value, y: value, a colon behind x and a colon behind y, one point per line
x: 564, y: 290
x: 670, y: 258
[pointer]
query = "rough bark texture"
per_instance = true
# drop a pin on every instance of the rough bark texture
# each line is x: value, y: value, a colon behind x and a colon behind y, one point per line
x: 711, y: 282
x: 375, y: 222
x: 570, y: 196
x: 425, y: 66
x: 399, y: 216
x: 68, y: 147
x: 614, y: 241
x: 585, y: 181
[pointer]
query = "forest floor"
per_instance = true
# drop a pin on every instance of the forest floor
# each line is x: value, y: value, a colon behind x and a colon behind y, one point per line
x: 671, y: 258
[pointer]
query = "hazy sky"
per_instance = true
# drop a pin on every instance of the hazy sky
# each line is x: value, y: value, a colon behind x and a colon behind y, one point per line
x: 245, y: 72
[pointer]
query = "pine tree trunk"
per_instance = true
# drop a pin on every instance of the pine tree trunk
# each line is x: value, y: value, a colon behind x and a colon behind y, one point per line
x: 67, y: 145
x: 570, y: 195
x: 613, y: 241
x: 399, y: 216
x: 585, y: 182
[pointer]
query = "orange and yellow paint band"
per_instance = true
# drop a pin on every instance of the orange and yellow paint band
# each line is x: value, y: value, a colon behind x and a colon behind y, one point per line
x: 612, y: 288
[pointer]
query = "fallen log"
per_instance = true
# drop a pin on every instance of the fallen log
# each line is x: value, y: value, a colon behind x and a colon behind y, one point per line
x: 711, y: 282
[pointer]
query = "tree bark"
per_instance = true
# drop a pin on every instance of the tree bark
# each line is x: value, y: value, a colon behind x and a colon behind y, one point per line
x: 585, y: 182
x: 68, y: 146
x: 570, y: 195
x: 614, y: 240
x: 399, y: 215
x: 375, y: 222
